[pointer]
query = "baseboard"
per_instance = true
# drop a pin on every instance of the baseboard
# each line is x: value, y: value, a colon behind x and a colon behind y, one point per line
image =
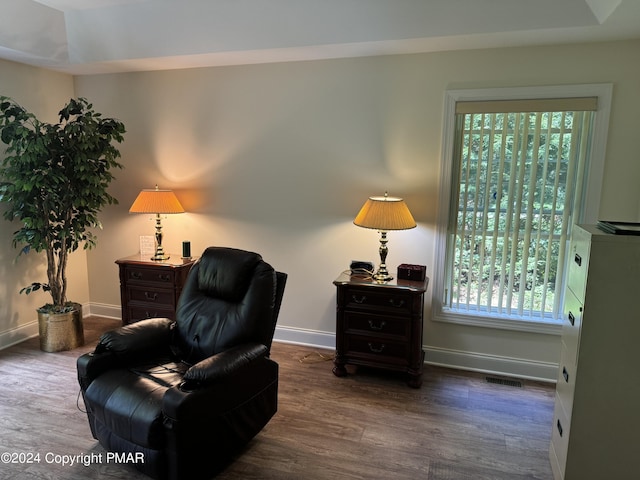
x: 19, y: 334
x: 464, y: 360
x: 103, y: 310
x: 309, y: 338
x: 493, y: 364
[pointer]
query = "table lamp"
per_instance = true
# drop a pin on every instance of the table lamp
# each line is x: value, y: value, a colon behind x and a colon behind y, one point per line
x: 384, y: 214
x: 159, y: 202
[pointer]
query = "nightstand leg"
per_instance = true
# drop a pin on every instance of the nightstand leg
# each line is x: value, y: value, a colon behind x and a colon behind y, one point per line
x: 415, y: 380
x: 415, y: 374
x: 339, y: 369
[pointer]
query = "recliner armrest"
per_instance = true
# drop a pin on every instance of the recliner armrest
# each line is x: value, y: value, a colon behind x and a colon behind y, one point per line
x: 145, y: 336
x: 122, y: 346
x: 91, y: 365
x: 225, y: 381
x: 221, y: 365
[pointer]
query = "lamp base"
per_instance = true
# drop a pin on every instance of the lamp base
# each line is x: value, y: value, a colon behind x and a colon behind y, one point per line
x: 382, y: 276
x: 159, y: 255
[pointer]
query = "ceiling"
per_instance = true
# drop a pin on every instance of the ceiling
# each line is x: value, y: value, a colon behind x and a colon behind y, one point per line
x: 102, y: 36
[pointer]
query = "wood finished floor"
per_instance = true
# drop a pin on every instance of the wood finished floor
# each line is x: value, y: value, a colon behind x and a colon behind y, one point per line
x: 369, y: 425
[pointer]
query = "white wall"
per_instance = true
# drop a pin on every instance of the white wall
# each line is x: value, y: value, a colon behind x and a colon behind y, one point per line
x: 43, y: 93
x: 278, y: 158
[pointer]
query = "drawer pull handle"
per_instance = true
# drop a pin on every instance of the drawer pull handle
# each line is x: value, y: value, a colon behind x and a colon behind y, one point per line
x: 396, y: 303
x: 375, y: 349
x: 378, y: 326
x: 578, y: 260
x: 136, y: 275
x: 559, y: 425
x: 565, y: 374
x: 151, y: 296
x: 360, y: 299
x: 164, y: 277
x: 151, y: 315
x: 572, y: 319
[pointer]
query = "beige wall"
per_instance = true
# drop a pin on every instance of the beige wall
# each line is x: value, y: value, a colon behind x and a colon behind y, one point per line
x: 43, y: 93
x: 279, y: 158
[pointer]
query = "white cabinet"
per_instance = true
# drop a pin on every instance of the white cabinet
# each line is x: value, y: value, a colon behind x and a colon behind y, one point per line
x: 596, y: 424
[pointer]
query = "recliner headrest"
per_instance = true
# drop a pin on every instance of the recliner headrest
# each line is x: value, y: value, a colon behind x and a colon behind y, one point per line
x: 226, y: 272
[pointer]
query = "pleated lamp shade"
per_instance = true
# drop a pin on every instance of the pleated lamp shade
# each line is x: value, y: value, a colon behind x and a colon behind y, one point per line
x: 156, y: 201
x: 385, y: 213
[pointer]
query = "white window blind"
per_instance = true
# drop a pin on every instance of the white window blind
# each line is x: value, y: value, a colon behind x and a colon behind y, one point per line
x: 519, y: 167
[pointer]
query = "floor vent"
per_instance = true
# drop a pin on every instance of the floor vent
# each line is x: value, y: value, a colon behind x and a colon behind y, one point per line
x: 505, y: 381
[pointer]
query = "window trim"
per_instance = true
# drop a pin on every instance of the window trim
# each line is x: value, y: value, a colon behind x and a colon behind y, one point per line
x: 590, y: 200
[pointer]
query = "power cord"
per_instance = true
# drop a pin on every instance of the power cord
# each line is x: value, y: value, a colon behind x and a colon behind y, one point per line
x: 315, y: 357
x: 78, y: 402
x: 360, y: 273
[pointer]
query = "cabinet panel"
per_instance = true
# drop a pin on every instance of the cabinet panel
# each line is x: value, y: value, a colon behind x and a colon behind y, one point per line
x: 572, y: 324
x: 566, y: 382
x: 560, y: 436
x: 578, y: 261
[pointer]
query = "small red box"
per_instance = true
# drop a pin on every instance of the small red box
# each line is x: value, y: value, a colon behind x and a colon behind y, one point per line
x: 407, y: 271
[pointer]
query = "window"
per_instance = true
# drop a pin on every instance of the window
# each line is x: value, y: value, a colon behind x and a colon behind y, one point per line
x: 519, y: 176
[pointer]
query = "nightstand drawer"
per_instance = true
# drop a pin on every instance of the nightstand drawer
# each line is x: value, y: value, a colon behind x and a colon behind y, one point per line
x: 377, y: 325
x: 377, y: 350
x: 154, y: 296
x: 136, y: 313
x: 135, y: 274
x: 356, y: 298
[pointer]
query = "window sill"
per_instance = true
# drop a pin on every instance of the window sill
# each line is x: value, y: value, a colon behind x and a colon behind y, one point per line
x: 502, y: 322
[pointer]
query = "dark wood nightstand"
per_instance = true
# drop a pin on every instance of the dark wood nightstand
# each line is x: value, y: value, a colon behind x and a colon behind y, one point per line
x: 150, y: 289
x: 380, y: 325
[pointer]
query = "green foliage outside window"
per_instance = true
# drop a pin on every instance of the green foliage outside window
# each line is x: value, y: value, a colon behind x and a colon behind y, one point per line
x: 517, y: 182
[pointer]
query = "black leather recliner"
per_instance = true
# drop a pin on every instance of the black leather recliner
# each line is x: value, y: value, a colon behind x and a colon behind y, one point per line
x: 182, y: 398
